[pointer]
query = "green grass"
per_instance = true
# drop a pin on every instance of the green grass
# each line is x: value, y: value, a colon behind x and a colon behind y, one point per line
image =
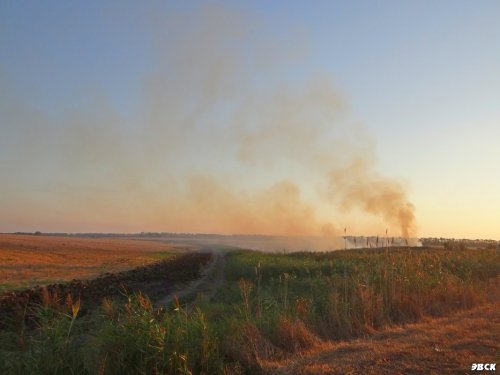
x: 270, y: 305
x: 134, y: 338
x: 343, y: 294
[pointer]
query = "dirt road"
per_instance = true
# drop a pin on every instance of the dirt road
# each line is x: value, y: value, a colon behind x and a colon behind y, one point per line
x: 211, y: 279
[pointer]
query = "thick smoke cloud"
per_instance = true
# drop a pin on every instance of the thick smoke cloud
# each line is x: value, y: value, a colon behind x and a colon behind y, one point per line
x: 359, y: 186
x: 227, y: 137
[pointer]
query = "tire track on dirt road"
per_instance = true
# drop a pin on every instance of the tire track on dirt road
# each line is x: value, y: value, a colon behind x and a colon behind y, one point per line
x: 212, y: 277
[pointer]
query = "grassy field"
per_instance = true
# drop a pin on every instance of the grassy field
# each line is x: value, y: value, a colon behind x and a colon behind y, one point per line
x: 31, y: 260
x: 269, y: 310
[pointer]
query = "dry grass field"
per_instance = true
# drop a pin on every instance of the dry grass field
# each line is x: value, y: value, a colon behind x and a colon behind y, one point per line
x: 30, y: 260
x: 447, y: 345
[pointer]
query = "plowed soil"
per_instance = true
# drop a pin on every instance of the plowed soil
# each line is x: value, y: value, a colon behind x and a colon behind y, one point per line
x: 154, y: 280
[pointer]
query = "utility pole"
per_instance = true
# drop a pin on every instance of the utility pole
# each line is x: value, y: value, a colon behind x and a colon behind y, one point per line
x: 386, y: 242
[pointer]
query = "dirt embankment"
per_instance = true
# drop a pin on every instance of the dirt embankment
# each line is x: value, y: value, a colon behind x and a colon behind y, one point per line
x: 155, y: 280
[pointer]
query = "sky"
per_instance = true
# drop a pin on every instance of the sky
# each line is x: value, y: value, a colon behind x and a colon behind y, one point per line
x: 251, y: 117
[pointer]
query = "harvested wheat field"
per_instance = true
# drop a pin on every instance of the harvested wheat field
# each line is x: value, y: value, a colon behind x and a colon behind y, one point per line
x: 30, y: 260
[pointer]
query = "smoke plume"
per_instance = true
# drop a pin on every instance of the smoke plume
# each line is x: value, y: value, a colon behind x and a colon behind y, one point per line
x: 225, y: 136
x: 358, y: 186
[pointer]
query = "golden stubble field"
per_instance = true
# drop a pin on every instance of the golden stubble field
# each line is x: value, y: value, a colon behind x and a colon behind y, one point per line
x: 29, y: 260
